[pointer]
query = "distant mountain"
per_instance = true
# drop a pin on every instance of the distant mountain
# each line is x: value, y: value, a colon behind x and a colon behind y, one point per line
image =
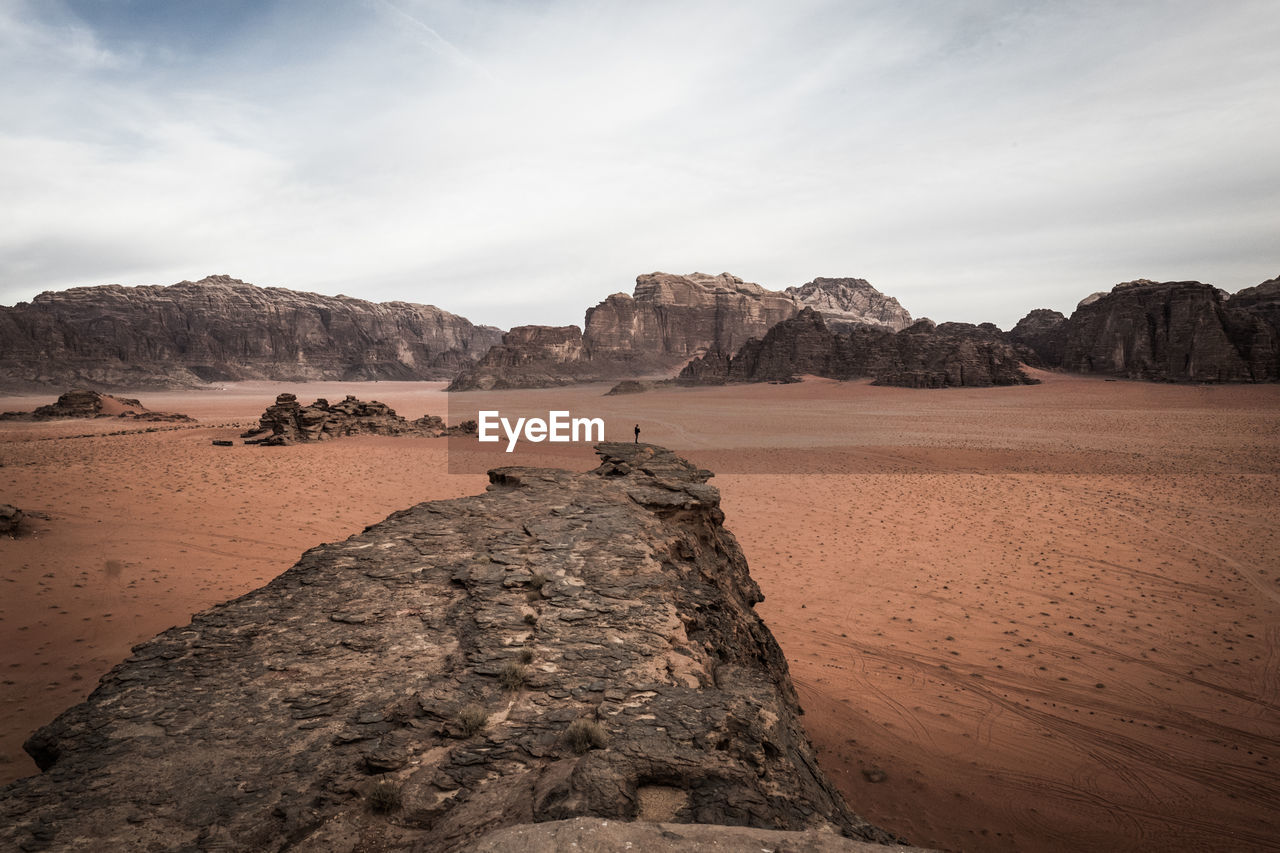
x: 1176, y: 331
x: 923, y: 355
x: 221, y: 329
x: 668, y: 320
x: 851, y: 301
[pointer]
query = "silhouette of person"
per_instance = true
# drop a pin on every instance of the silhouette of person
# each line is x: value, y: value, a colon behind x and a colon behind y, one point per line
x: 637, y: 433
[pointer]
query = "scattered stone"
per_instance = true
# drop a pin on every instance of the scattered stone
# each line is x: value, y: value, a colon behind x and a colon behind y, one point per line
x: 287, y: 421
x: 83, y: 403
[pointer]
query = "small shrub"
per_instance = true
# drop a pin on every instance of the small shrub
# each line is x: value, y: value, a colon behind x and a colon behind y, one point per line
x: 511, y: 676
x: 531, y: 619
x: 472, y: 719
x: 586, y: 734
x: 385, y: 798
x: 526, y: 656
x: 537, y: 580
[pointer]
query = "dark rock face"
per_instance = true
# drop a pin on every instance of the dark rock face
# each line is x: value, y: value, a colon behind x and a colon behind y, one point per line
x: 10, y: 520
x: 81, y: 403
x: 1262, y: 303
x: 669, y: 320
x: 528, y: 357
x: 629, y: 386
x: 1044, y: 332
x: 921, y: 356
x: 447, y: 655
x: 287, y: 421
x: 843, y: 302
x: 1173, y: 331
x: 221, y: 329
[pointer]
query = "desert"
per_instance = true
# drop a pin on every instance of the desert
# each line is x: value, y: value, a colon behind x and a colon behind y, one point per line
x: 1018, y: 618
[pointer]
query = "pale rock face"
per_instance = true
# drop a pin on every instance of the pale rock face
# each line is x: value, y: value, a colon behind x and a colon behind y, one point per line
x: 222, y: 329
x: 844, y: 301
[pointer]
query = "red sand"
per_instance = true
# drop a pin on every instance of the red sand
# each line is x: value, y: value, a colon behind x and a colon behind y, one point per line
x: 1050, y: 615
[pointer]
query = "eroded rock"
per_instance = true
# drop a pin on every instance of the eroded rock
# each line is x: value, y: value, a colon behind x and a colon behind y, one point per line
x: 267, y: 722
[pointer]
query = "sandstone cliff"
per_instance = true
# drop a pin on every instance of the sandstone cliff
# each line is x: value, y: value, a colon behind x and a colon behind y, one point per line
x: 1044, y: 332
x: 221, y: 329
x: 566, y: 645
x: 843, y: 302
x: 669, y: 320
x: 921, y: 356
x: 1173, y: 331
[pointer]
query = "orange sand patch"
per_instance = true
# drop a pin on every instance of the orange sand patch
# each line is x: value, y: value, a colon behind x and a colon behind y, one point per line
x: 1050, y: 615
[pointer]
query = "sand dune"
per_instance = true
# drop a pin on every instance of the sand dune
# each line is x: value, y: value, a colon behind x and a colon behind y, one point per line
x: 1049, y: 615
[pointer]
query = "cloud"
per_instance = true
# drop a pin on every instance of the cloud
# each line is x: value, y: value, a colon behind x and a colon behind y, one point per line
x: 517, y: 162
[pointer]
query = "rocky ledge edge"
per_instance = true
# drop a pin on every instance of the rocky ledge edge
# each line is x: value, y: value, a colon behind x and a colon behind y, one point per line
x: 563, y: 646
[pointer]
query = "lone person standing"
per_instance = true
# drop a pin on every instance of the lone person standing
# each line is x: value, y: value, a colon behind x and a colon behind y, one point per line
x: 637, y: 433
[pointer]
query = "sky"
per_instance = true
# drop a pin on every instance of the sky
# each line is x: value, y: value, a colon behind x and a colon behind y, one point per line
x: 518, y: 161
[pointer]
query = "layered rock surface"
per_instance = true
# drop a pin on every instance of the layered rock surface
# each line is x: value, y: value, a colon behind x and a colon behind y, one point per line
x: 923, y: 355
x: 221, y: 329
x: 669, y: 320
x: 436, y: 665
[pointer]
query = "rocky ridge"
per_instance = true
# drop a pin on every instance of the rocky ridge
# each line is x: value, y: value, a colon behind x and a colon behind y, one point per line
x: 668, y: 320
x: 287, y: 421
x: 565, y: 645
x: 221, y: 329
x: 1175, y: 331
x: 82, y: 403
x: 923, y: 355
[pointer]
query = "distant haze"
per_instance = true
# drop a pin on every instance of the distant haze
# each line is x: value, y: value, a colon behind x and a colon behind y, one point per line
x: 517, y: 162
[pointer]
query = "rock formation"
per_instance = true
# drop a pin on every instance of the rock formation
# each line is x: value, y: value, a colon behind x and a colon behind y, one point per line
x: 921, y: 356
x: 1173, y: 331
x: 629, y: 386
x: 669, y: 320
x: 287, y: 421
x: 843, y: 302
x: 221, y: 329
x: 10, y: 520
x: 529, y: 357
x: 1044, y: 332
x: 565, y: 645
x: 82, y: 403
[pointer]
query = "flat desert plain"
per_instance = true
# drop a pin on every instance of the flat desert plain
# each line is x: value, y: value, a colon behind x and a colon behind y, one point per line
x: 1038, y: 619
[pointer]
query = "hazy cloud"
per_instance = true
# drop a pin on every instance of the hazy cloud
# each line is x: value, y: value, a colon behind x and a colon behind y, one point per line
x: 516, y: 162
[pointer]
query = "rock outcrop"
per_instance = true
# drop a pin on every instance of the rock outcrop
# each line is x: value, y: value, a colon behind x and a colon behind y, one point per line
x: 669, y: 320
x: 529, y: 357
x: 1044, y: 332
x: 1180, y: 331
x: 82, y: 403
x: 565, y: 645
x: 845, y: 302
x: 921, y: 356
x: 11, y: 519
x: 287, y: 421
x: 221, y: 329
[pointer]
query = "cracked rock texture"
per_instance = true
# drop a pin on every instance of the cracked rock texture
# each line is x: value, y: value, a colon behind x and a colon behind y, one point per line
x: 220, y: 329
x: 438, y: 663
